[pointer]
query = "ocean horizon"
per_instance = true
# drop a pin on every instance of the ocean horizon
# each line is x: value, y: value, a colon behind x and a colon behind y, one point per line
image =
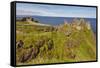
x: 60, y: 20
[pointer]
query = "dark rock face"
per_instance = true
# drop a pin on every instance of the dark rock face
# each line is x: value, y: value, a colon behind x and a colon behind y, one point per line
x: 50, y: 44
x: 24, y: 57
x: 19, y: 44
x: 35, y: 52
x: 39, y: 43
x: 31, y: 52
x: 29, y: 55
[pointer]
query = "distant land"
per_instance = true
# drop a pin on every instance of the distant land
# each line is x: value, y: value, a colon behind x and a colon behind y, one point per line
x: 59, y: 20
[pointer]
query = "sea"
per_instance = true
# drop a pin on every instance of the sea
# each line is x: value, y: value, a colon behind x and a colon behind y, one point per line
x: 60, y: 20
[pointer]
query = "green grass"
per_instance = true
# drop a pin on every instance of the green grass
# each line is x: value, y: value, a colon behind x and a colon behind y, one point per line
x: 84, y: 51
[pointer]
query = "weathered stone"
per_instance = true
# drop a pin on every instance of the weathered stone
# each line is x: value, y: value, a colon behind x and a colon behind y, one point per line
x: 19, y: 44
x: 50, y: 44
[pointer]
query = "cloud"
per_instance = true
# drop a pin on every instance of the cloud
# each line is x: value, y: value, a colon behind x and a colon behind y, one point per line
x: 38, y: 12
x: 24, y: 12
x: 55, y: 10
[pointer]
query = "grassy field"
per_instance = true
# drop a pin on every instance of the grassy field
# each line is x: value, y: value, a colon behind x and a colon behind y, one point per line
x: 78, y: 46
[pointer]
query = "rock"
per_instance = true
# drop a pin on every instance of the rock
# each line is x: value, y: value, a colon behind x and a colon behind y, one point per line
x: 34, y: 52
x: 68, y: 33
x: 39, y: 43
x: 28, y: 55
x: 19, y: 44
x: 50, y: 44
x: 24, y: 58
x: 72, y: 43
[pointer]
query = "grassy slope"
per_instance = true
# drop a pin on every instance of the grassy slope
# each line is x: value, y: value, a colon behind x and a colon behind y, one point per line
x: 85, y: 51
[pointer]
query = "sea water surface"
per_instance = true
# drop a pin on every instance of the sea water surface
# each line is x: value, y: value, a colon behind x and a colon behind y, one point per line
x: 60, y: 20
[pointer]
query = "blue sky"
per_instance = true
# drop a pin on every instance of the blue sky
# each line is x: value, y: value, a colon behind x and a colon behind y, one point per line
x: 55, y: 10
